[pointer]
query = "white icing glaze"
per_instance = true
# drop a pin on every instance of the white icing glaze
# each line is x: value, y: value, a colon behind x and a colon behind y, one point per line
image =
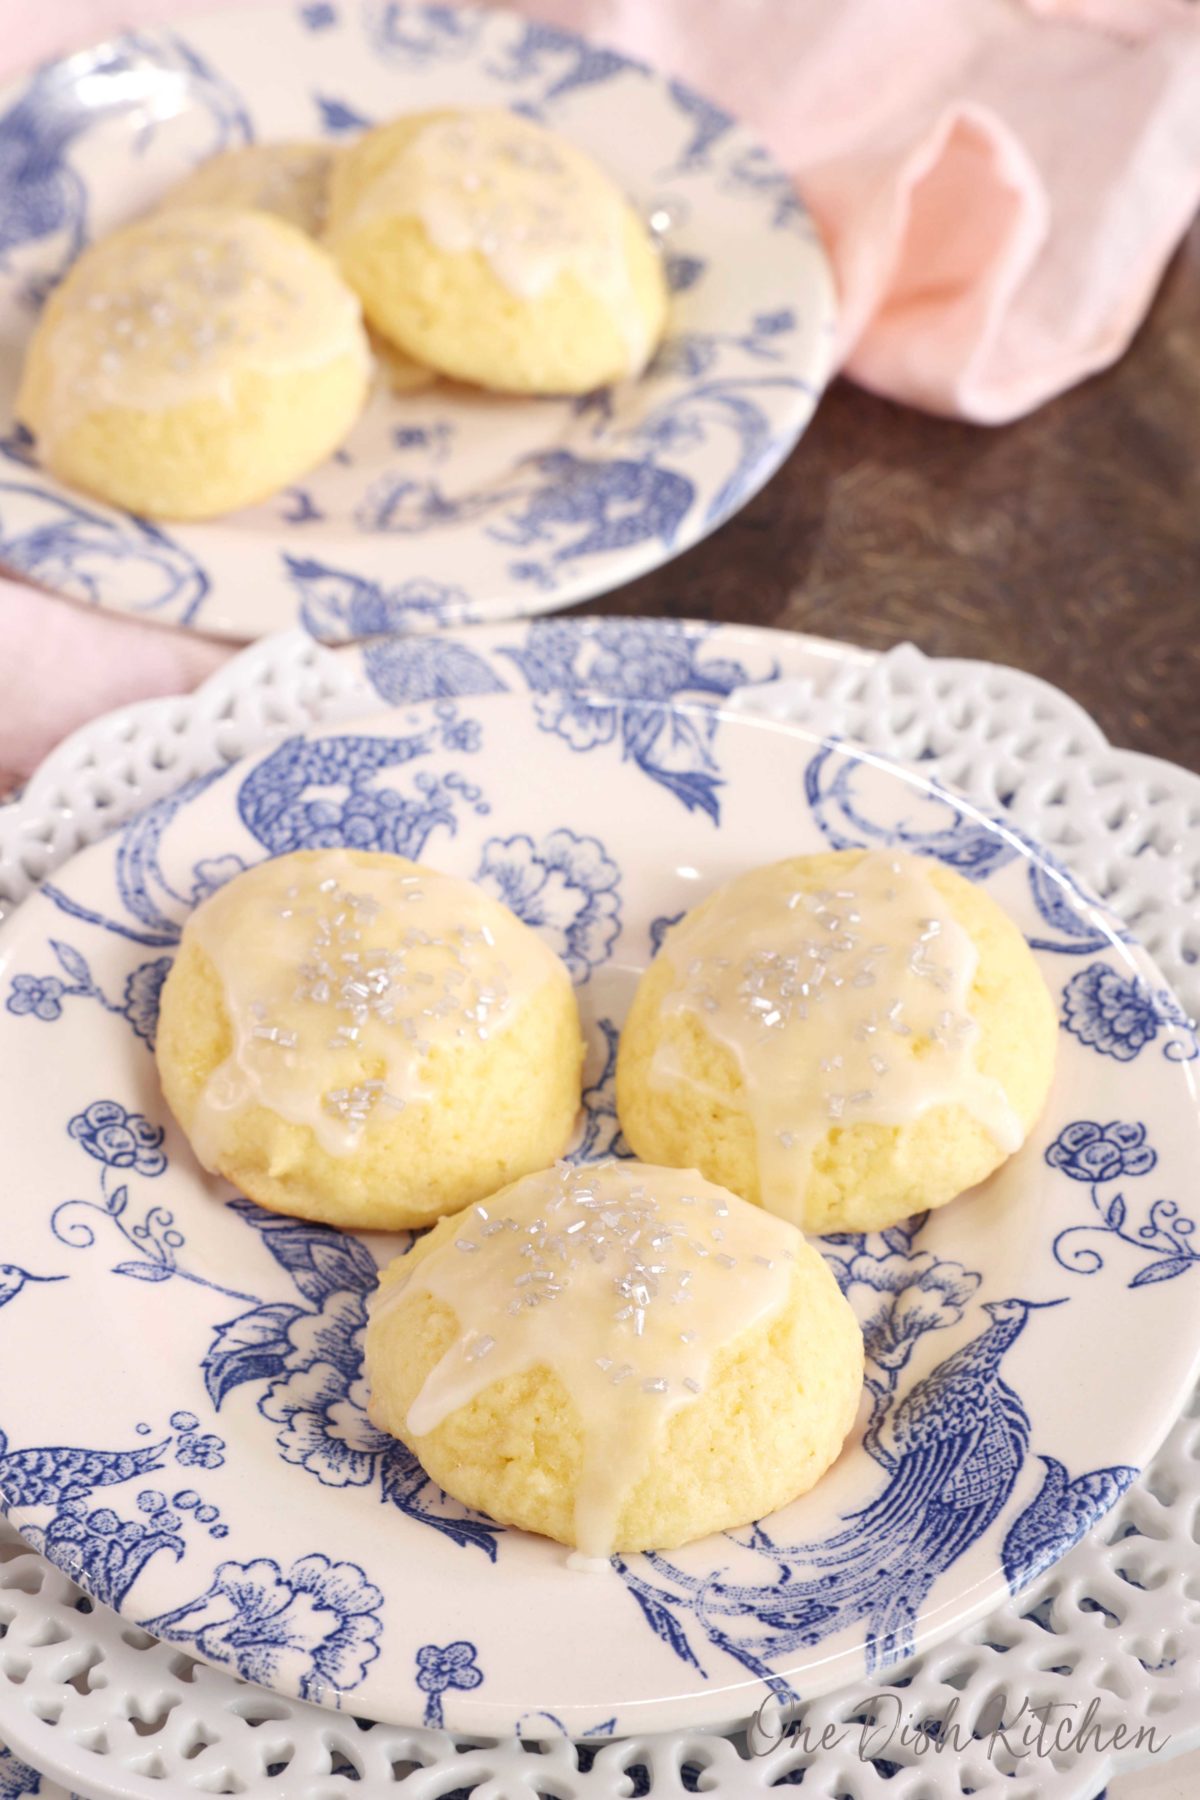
x: 290, y: 180
x: 843, y: 1005
x: 527, y: 200
x: 622, y: 1279
x: 343, y: 982
x: 177, y: 306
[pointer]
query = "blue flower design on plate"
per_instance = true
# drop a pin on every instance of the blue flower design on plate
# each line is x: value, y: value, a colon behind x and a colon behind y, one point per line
x: 119, y: 1139
x: 1099, y: 1154
x: 1119, y: 1016
x: 1089, y: 1152
x: 42, y: 996
x: 616, y: 684
x: 445, y: 1666
x: 321, y: 1403
x: 200, y: 1451
x: 310, y: 1356
x: 406, y: 669
x: 315, y: 1625
x: 143, y: 991
x: 38, y: 995
x: 565, y: 887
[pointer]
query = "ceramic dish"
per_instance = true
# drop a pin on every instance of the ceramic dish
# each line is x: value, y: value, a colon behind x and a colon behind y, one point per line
x: 444, y: 505
x: 190, y: 1439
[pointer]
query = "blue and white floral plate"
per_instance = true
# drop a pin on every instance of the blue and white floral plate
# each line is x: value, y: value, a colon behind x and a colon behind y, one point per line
x: 444, y: 506
x: 189, y: 1438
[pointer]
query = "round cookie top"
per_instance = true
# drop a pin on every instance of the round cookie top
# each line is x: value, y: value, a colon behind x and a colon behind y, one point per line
x: 842, y: 1004
x: 621, y: 1278
x: 532, y: 204
x: 347, y: 981
x: 290, y: 180
x: 178, y: 305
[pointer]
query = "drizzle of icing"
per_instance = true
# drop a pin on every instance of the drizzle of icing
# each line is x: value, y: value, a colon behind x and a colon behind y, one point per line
x: 622, y: 1279
x: 344, y: 981
x: 842, y: 1005
x: 176, y: 307
x: 290, y: 180
x: 532, y: 204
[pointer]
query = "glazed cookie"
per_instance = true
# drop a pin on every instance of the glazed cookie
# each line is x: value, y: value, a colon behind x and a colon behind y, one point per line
x: 350, y: 1037
x: 494, y: 251
x: 617, y: 1356
x: 193, y: 363
x: 845, y: 1038
x: 289, y: 180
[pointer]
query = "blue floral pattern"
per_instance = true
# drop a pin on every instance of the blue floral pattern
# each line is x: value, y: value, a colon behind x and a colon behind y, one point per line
x: 120, y: 1139
x: 1101, y: 1155
x: 310, y: 1358
x: 151, y: 1245
x: 1119, y: 1016
x: 323, y: 1414
x: 955, y: 1467
x: 445, y: 1666
x: 40, y: 996
x: 617, y: 685
x: 566, y: 888
x: 315, y: 1624
x: 1089, y: 1152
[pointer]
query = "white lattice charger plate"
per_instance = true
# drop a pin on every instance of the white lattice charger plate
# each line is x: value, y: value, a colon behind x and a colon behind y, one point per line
x: 190, y: 1437
x: 489, y: 507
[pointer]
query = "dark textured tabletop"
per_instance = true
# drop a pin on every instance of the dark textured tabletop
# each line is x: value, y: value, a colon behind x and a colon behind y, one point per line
x: 1067, y: 544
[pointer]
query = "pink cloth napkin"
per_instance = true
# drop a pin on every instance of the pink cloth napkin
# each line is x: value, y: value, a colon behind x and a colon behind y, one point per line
x: 1000, y: 183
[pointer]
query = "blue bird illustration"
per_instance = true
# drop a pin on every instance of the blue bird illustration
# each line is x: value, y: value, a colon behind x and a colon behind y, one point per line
x: 13, y: 1279
x: 957, y: 1444
x: 1062, y: 1512
x: 616, y: 503
x: 55, y: 1472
